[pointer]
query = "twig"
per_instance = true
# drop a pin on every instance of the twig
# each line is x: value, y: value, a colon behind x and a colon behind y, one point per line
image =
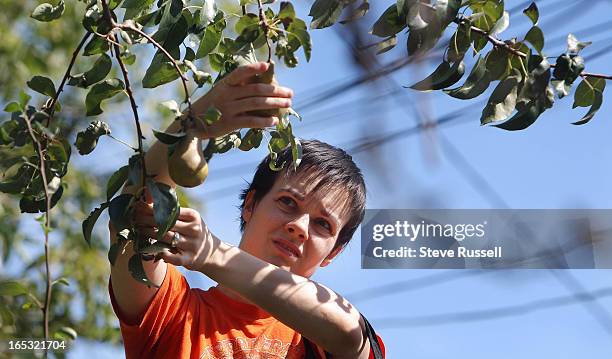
x: 51, y: 106
x: 599, y: 76
x: 122, y: 142
x: 501, y: 44
x: 115, y: 25
x: 266, y: 28
x: 43, y: 176
x: 493, y: 40
x: 128, y: 90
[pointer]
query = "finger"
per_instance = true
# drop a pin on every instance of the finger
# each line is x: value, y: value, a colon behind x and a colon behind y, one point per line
x: 258, y: 103
x: 243, y: 73
x: 189, y: 215
x: 246, y: 121
x: 261, y: 90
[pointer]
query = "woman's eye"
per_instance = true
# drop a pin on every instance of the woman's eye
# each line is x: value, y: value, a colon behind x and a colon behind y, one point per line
x: 287, y: 201
x: 323, y: 223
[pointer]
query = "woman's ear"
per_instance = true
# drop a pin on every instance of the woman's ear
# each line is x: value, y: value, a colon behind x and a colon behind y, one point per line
x: 249, y: 205
x: 332, y: 255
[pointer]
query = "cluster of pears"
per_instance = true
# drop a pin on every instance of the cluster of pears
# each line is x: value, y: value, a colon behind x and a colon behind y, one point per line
x: 187, y: 165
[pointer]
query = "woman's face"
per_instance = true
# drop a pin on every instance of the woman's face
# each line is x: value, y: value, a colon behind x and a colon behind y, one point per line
x: 294, y: 227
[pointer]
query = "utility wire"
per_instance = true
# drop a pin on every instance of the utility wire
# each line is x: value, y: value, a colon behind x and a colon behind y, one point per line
x: 467, y: 316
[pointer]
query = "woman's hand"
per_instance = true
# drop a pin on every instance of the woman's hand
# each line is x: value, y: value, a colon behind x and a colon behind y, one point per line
x: 234, y: 96
x: 195, y: 243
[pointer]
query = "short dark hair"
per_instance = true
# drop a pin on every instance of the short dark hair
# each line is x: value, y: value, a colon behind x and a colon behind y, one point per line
x: 332, y: 166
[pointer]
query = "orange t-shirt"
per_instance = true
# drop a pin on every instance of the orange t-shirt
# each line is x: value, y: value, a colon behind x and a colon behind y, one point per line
x: 191, y: 323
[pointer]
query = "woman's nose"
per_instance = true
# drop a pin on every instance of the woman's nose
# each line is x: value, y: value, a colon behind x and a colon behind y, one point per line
x: 298, y: 227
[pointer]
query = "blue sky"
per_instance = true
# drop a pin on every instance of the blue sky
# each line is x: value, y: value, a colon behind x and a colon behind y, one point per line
x: 553, y: 164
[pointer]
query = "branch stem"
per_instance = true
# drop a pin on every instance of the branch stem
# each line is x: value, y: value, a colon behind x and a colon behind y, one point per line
x: 128, y: 90
x: 265, y: 27
x: 115, y: 25
x: 51, y: 106
x: 501, y: 44
x: 41, y: 168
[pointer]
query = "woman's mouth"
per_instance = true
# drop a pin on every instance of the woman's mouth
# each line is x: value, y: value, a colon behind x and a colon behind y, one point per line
x: 287, y: 248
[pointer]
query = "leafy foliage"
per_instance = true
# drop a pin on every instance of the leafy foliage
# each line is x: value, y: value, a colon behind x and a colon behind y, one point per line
x: 34, y: 138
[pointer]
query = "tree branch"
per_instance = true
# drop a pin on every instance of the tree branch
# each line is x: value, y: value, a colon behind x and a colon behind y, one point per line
x: 51, y: 104
x: 43, y: 176
x: 115, y: 25
x: 501, y: 44
x: 128, y: 90
x: 266, y: 28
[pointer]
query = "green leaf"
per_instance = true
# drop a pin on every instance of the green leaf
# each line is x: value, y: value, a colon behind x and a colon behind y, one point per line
x: 120, y: 212
x: 477, y: 82
x: 156, y: 248
x: 535, y: 37
x: 325, y: 13
x: 65, y: 333
x: 211, y: 116
x: 585, y: 92
x: 13, y: 107
x: 169, y: 138
x: 24, y: 98
x: 445, y: 75
x: 568, y: 68
x: 246, y: 21
x: 12, y: 288
x: 62, y: 280
x: 137, y: 270
x: 100, y: 92
x: 128, y: 57
x: 597, y: 101
x: 6, y: 316
x: 116, y: 180
x: 90, y: 221
x: 47, y: 12
x: 286, y: 11
x: 252, y: 139
x: 135, y: 7
x: 135, y: 170
x: 460, y: 42
x: 172, y: 15
x: 87, y: 139
x: 97, y: 45
x: 524, y: 118
x: 216, y: 61
x: 501, y: 25
x: 58, y: 156
x: 574, y: 46
x: 389, y: 23
x: 161, y: 71
x: 96, y: 73
x: 209, y: 41
x: 19, y: 182
x: 421, y: 41
x: 165, y: 206
x: 533, y: 13
x: 43, y: 85
x: 297, y: 30
x: 497, y: 63
x: 31, y: 204
x: 502, y: 101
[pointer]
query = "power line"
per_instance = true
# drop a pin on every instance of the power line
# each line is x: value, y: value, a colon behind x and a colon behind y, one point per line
x: 493, y: 313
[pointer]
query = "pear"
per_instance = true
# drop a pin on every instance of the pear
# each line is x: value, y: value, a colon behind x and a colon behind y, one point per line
x: 186, y: 165
x: 267, y: 78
